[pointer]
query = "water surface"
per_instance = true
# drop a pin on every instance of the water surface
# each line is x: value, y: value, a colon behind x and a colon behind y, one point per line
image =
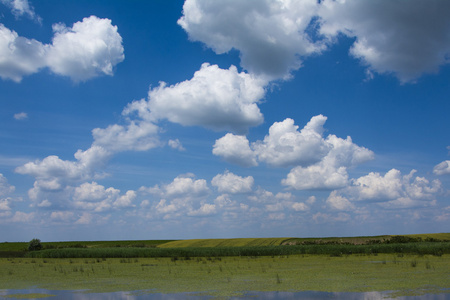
x: 141, y: 295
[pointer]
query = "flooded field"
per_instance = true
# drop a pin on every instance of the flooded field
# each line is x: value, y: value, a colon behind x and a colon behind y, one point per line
x: 403, y: 275
x: 141, y: 295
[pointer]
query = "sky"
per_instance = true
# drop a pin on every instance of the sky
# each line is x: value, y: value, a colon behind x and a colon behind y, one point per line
x: 140, y: 120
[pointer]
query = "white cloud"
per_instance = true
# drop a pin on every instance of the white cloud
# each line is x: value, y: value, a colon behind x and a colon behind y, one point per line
x: 393, y: 190
x: 331, y: 171
x: 44, y: 203
x: 262, y: 196
x: 164, y: 208
x: 184, y: 196
x: 204, y: 210
x: 406, y: 39
x: 327, y: 218
x: 22, y: 7
x: 137, y: 136
x: 270, y: 35
x: 231, y: 183
x: 85, y: 218
x: 286, y: 146
x: 125, y: 200
x: 183, y: 186
x: 276, y: 216
x: 219, y: 99
x: 19, y: 56
x: 186, y: 185
x: 88, y: 49
x: 319, y: 176
x: 91, y: 48
x: 224, y: 201
x: 5, y: 187
x: 300, y: 206
x: 54, y: 176
x: 22, y: 217
x: 21, y: 116
x: 62, y: 216
x: 176, y: 144
x: 235, y: 149
x: 338, y: 202
x: 54, y: 170
x: 320, y: 163
x: 442, y: 168
x: 5, y: 204
x: 273, y: 37
x: 95, y: 197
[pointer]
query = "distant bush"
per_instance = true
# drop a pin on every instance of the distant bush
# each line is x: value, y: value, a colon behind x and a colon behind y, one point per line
x: 401, y: 239
x: 34, y: 245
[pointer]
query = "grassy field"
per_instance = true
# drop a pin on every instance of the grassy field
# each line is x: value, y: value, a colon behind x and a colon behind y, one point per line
x: 423, y: 248
x: 238, y: 242
x: 407, y: 265
x: 228, y: 276
x: 22, y: 246
x: 243, y: 242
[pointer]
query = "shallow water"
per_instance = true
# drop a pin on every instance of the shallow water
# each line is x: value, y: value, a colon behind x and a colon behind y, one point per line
x: 141, y: 295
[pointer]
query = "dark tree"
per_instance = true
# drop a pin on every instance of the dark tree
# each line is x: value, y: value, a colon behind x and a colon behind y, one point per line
x: 34, y: 245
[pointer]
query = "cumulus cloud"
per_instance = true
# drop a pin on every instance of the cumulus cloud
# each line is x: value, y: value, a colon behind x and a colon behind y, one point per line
x: 271, y: 203
x: 5, y: 190
x: 331, y: 171
x: 5, y: 187
x: 316, y: 177
x: 53, y: 174
x: 281, y: 202
x: 393, y: 190
x: 273, y: 37
x: 52, y: 167
x: 22, y: 217
x: 231, y: 183
x: 183, y: 186
x: 270, y: 35
x: 136, y: 135
x: 215, y: 98
x: 95, y: 197
x: 285, y: 146
x: 338, y: 202
x: 442, y: 168
x: 205, y: 209
x: 62, y: 216
x: 88, y: 49
x: 235, y: 149
x: 406, y: 39
x: 319, y: 163
x: 19, y: 56
x: 184, y: 196
x: 186, y: 186
x: 20, y: 8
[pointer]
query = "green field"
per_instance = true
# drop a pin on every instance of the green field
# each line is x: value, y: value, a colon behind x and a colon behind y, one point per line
x: 242, y: 242
x: 238, y: 242
x: 406, y: 265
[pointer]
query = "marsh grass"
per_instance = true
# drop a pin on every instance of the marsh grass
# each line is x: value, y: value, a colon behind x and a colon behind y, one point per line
x: 333, y: 250
x: 232, y: 275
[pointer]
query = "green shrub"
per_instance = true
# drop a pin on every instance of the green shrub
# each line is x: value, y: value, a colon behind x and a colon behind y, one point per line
x: 34, y: 245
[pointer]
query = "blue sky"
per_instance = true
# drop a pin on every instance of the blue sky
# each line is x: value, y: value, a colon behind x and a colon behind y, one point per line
x: 200, y: 119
